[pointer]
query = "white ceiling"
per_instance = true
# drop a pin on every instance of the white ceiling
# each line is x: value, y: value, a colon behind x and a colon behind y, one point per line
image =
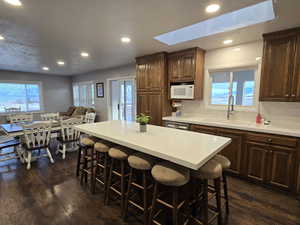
x: 43, y: 31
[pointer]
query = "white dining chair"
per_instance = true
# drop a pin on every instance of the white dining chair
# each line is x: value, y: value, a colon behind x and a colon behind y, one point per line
x: 89, y: 117
x: 50, y: 116
x: 69, y: 137
x: 20, y: 117
x: 36, y: 137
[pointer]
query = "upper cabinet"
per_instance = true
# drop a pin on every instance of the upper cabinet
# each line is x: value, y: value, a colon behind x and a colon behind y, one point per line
x: 187, y: 66
x: 152, y: 83
x: 151, y: 72
x: 280, y: 67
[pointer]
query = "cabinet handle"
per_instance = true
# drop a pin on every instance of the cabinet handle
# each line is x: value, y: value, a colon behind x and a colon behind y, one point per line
x: 293, y: 95
x: 271, y: 151
x: 287, y: 95
x: 269, y: 140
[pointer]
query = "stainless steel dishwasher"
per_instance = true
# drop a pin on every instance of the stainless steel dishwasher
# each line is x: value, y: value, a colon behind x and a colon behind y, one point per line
x: 177, y: 125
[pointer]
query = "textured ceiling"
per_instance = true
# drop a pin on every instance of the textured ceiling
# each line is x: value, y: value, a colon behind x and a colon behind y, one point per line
x: 43, y: 31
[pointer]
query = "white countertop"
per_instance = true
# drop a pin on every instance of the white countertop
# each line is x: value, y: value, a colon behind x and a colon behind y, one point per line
x: 185, y: 148
x: 241, y: 125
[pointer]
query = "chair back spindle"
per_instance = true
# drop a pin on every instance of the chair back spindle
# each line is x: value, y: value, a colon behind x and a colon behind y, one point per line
x: 37, y: 135
x: 68, y: 133
x: 90, y: 117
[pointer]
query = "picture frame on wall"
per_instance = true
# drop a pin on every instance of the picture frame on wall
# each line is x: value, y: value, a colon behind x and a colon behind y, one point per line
x: 100, y: 90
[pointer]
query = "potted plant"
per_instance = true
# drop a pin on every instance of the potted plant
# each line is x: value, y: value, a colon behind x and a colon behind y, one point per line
x: 143, y: 120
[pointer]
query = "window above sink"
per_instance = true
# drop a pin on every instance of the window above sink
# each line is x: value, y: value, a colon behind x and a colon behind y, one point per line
x: 239, y: 82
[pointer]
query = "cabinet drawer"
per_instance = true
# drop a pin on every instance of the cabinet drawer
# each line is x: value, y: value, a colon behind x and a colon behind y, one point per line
x: 204, y: 129
x: 273, y: 139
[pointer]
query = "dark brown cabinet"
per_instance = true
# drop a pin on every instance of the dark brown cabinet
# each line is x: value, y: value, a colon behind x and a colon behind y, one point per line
x: 151, y: 75
x: 281, y: 166
x: 257, y: 161
x: 271, y: 159
x: 151, y: 72
x: 296, y: 73
x: 187, y: 66
x: 181, y: 66
x: 234, y: 151
x: 204, y: 129
x: 265, y: 158
x: 280, y: 77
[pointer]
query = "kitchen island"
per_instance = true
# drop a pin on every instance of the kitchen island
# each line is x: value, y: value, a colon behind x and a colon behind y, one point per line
x: 185, y: 148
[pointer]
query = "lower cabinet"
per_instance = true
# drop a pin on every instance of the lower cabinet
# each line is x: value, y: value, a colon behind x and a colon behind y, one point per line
x: 257, y: 155
x: 265, y: 158
x: 282, y: 166
x: 272, y: 163
x: 233, y: 151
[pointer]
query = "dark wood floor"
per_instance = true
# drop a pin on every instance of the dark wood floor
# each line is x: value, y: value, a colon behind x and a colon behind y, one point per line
x: 51, y: 194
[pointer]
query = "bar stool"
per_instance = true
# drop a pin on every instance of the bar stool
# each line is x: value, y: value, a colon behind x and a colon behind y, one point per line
x: 225, y: 163
x: 212, y: 170
x: 140, y: 164
x: 102, y: 165
x: 117, y: 155
x: 172, y: 177
x: 84, y: 153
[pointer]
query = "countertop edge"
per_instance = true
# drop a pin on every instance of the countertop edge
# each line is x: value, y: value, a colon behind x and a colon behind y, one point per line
x: 234, y: 126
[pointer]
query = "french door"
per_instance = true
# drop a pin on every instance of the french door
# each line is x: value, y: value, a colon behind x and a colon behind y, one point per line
x: 123, y: 100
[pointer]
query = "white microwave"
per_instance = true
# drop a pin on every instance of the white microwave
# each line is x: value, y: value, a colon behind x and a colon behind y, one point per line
x: 182, y: 91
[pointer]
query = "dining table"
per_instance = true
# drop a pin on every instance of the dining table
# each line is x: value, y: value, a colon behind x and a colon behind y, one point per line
x: 185, y: 148
x: 10, y: 134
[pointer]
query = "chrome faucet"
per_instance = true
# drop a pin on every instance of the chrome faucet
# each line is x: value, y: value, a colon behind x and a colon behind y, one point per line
x: 230, y: 107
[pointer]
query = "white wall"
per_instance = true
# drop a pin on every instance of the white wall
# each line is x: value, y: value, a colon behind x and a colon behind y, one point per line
x: 278, y: 113
x: 102, y: 76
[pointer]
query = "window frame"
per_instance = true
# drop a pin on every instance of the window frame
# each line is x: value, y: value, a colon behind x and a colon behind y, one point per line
x: 40, y: 94
x: 252, y: 108
x: 83, y: 83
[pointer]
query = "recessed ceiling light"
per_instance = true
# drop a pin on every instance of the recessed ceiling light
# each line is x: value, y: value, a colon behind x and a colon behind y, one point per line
x: 61, y: 63
x: 212, y: 8
x: 125, y: 39
x: 45, y: 68
x: 1, y: 37
x: 258, y: 58
x: 226, y: 42
x: 84, y: 54
x: 14, y: 2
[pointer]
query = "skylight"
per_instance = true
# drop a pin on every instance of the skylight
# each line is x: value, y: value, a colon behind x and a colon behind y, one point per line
x: 258, y: 13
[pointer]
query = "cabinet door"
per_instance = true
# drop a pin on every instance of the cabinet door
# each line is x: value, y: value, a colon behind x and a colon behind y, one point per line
x: 298, y: 180
x: 187, y: 66
x: 142, y: 77
x: 142, y: 103
x: 173, y: 67
x: 257, y: 161
x: 155, y: 73
x: 296, y: 73
x: 281, y: 166
x: 204, y: 129
x: 234, y: 151
x: 277, y: 69
x: 155, y: 108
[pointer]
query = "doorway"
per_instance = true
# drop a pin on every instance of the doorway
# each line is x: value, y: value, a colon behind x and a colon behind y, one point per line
x: 122, y: 104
